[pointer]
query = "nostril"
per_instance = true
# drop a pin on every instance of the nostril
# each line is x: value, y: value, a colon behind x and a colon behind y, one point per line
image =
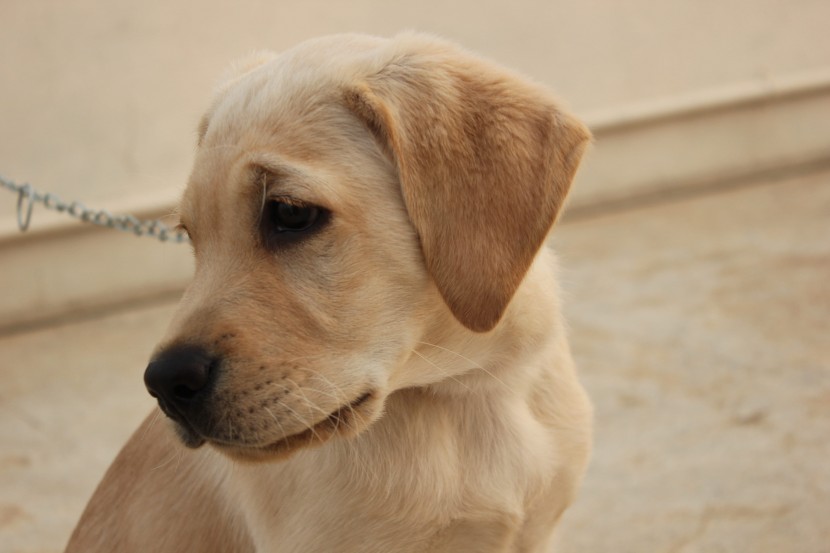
x: 178, y: 374
x: 183, y: 392
x: 188, y: 378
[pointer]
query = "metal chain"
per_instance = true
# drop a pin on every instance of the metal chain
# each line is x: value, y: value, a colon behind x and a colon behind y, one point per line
x: 27, y: 196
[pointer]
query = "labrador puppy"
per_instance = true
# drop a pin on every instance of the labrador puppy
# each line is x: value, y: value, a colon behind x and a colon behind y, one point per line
x: 370, y: 357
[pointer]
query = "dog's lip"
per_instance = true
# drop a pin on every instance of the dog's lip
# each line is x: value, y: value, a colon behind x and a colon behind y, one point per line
x: 187, y: 433
x: 190, y: 437
x: 319, y: 432
x: 355, y: 404
x: 333, y: 419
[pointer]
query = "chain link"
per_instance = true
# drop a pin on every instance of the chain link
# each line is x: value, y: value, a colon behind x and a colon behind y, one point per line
x: 27, y: 196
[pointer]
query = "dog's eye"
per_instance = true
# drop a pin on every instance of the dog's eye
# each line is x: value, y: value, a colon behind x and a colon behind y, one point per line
x: 287, y: 220
x: 289, y: 217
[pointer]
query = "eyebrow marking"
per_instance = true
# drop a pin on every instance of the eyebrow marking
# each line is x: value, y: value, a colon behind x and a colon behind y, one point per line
x: 279, y: 169
x: 279, y: 178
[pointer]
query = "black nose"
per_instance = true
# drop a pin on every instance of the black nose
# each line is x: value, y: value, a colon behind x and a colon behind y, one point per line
x: 178, y: 377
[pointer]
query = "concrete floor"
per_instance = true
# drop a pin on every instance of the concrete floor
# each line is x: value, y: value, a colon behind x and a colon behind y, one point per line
x: 701, y: 328
x: 700, y: 325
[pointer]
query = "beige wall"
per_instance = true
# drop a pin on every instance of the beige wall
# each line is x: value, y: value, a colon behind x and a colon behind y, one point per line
x: 100, y: 99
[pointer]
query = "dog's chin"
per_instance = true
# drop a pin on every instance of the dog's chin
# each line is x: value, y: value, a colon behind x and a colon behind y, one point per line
x: 347, y: 421
x: 188, y: 436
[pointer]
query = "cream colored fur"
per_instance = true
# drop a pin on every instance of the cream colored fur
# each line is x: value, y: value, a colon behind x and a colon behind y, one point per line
x: 429, y: 289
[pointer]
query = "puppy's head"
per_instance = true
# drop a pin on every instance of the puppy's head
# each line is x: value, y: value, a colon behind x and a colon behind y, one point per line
x: 346, y: 195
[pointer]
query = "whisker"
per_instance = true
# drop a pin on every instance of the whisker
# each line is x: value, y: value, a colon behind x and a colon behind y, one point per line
x: 276, y: 420
x: 264, y: 198
x: 341, y: 398
x: 179, y: 461
x: 443, y: 371
x: 475, y: 365
x: 150, y: 425
x: 299, y: 419
x: 305, y: 398
x: 167, y: 462
x: 311, y: 404
x: 335, y: 397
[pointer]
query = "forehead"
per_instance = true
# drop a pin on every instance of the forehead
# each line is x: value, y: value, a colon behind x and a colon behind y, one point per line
x: 289, y: 87
x: 287, y: 116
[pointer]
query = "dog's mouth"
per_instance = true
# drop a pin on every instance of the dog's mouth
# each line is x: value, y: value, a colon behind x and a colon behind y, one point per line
x: 348, y: 419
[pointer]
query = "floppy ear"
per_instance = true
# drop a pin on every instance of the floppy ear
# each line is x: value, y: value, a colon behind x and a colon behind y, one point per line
x: 485, y: 160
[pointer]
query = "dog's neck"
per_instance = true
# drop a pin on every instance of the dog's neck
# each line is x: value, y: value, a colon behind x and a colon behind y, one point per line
x: 450, y: 359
